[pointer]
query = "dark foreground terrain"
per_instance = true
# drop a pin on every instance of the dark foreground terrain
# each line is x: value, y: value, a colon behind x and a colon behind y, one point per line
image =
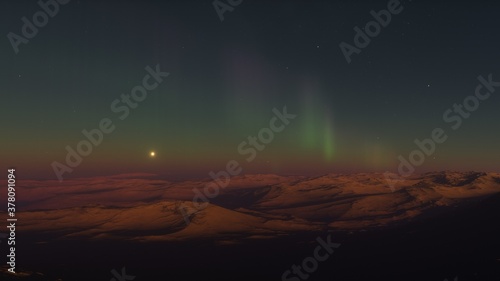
x: 463, y: 243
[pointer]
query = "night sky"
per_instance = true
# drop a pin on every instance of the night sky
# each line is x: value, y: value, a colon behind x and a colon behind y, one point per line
x: 227, y: 76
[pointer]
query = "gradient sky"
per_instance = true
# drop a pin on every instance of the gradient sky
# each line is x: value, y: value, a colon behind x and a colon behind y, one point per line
x: 226, y: 77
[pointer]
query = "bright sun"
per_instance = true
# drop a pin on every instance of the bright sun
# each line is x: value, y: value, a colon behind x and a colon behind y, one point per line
x: 152, y: 154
